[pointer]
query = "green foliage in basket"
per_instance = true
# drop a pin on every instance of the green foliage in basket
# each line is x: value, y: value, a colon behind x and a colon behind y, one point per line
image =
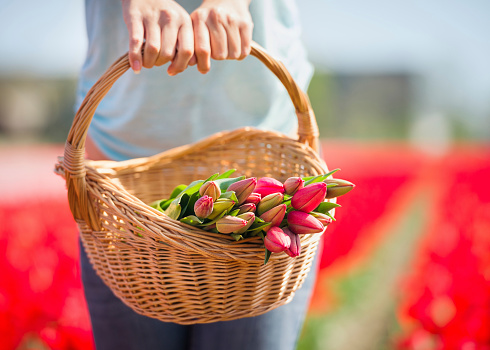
x: 244, y: 208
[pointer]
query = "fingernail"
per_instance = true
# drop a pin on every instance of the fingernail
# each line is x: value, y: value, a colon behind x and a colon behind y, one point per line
x: 137, y: 66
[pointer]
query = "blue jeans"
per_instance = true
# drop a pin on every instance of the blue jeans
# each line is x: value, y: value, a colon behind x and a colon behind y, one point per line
x: 117, y: 327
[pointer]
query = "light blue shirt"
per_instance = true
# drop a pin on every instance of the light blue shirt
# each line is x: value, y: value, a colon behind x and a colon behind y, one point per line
x: 151, y: 112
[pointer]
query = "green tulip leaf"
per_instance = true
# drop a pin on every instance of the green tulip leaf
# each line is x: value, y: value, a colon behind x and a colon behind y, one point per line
x: 177, y: 190
x: 325, y: 207
x: 318, y: 178
x: 173, y: 210
x: 214, y: 220
x: 164, y: 204
x: 236, y: 236
x: 230, y: 195
x: 191, y: 220
x: 226, y: 174
x: 234, y: 212
x: 212, y: 177
x: 225, y: 183
x: 188, y: 209
x: 259, y: 225
x: 158, y: 204
x: 267, y: 256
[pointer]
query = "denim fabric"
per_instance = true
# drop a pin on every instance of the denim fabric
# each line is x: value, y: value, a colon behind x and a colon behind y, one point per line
x: 116, y: 326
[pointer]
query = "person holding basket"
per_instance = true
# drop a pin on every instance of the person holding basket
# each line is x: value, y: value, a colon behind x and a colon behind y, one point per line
x: 204, y: 91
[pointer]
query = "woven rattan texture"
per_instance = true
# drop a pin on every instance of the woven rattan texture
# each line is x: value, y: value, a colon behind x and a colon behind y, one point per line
x: 168, y: 270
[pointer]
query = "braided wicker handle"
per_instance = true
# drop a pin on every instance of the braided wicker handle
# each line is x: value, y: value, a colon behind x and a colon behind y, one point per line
x: 74, y: 155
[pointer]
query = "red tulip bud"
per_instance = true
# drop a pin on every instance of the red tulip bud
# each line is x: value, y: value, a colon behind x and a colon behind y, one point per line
x: 276, y: 240
x: 268, y: 185
x: 229, y: 224
x: 247, y: 207
x: 254, y: 198
x: 210, y: 189
x: 341, y: 188
x: 303, y: 223
x: 268, y: 202
x: 324, y: 219
x: 249, y: 217
x: 274, y: 215
x: 203, y: 207
x: 243, y: 188
x: 309, y: 197
x: 221, y: 205
x: 294, y: 249
x: 293, y: 184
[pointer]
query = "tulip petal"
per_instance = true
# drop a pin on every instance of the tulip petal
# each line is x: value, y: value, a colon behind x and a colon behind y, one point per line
x: 276, y: 240
x: 268, y: 185
x: 303, y: 223
x: 309, y: 197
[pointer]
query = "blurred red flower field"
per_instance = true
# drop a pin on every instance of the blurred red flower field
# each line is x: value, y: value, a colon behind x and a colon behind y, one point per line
x: 441, y: 295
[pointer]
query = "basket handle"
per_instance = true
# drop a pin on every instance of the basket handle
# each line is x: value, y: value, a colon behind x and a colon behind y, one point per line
x: 74, y: 155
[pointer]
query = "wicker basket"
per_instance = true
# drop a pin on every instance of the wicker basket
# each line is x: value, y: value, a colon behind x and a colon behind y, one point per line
x: 163, y: 268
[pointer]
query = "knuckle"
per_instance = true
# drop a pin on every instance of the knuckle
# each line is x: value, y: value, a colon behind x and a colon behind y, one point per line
x: 215, y: 15
x: 198, y: 15
x: 232, y: 20
x: 202, y: 51
x: 167, y: 15
x: 135, y: 43
x: 186, y: 53
x: 166, y: 54
x: 234, y: 55
x: 151, y: 49
x: 221, y: 55
x: 246, y: 25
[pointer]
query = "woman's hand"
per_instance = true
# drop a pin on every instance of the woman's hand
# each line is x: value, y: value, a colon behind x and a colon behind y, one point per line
x: 222, y: 30
x: 165, y: 30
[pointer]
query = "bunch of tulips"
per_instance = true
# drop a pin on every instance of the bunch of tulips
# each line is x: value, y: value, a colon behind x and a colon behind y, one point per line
x: 243, y: 207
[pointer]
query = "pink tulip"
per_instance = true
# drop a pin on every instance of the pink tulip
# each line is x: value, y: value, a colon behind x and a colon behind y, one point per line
x: 203, y: 207
x: 211, y: 189
x: 294, y: 249
x: 253, y: 198
x: 303, y: 223
x: 243, y: 188
x: 309, y: 197
x: 268, y: 202
x: 268, y: 185
x: 246, y: 208
x: 274, y: 215
x: 323, y: 218
x: 293, y: 184
x: 229, y: 224
x: 276, y: 240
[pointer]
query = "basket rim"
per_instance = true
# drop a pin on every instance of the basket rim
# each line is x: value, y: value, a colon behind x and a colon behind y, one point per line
x: 176, y: 152
x: 100, y: 178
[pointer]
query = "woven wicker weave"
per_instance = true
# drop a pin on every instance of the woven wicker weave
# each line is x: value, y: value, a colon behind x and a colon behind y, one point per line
x: 168, y: 270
